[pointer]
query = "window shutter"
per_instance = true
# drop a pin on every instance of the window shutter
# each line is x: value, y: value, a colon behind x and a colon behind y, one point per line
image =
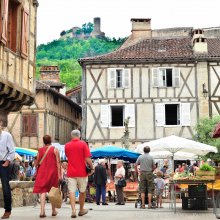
x: 155, y: 79
x: 185, y: 117
x: 104, y: 116
x: 160, y: 114
x: 4, y: 27
x: 160, y: 77
x: 25, y: 33
x: 112, y: 78
x: 176, y: 77
x: 130, y: 112
x: 25, y: 125
x: 33, y: 125
x: 127, y: 77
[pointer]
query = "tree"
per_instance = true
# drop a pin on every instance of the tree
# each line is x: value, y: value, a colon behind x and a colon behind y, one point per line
x: 87, y: 28
x: 204, y: 129
x: 62, y: 33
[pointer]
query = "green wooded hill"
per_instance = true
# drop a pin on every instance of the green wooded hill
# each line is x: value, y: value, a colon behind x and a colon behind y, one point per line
x: 65, y: 54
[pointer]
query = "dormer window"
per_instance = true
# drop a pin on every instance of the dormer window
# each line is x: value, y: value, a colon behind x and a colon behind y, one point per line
x: 166, y: 77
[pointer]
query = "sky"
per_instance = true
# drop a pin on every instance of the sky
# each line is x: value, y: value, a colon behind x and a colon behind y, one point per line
x: 55, y: 16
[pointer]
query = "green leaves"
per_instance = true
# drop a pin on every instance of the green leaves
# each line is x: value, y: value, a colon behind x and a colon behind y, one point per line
x: 204, y: 130
x: 206, y: 167
x: 65, y: 54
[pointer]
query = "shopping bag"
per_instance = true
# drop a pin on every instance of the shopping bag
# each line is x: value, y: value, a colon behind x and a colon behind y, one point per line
x: 55, y: 197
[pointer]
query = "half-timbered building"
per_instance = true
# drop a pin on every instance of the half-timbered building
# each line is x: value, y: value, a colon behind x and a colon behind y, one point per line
x: 52, y: 113
x: 17, y: 55
x: 163, y: 82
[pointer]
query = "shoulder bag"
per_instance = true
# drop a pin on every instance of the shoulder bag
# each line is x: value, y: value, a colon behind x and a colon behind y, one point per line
x: 121, y: 182
x: 42, y: 159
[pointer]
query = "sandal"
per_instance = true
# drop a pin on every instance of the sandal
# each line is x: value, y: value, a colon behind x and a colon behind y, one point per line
x: 43, y: 216
x: 54, y: 214
x: 73, y: 215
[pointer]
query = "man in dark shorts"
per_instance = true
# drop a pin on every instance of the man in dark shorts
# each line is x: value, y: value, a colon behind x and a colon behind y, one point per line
x: 147, y: 167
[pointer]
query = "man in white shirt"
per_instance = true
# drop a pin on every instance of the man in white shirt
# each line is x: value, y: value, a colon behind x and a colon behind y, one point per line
x: 7, y: 155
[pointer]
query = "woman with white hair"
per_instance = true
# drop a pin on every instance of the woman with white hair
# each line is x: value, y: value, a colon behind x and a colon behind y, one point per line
x: 120, y: 173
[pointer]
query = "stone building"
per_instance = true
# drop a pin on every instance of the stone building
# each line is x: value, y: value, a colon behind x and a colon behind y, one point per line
x: 75, y: 94
x: 164, y: 81
x: 17, y: 52
x: 52, y: 113
x: 77, y: 31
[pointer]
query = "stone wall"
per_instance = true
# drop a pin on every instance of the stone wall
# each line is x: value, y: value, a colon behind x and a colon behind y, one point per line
x: 22, y: 193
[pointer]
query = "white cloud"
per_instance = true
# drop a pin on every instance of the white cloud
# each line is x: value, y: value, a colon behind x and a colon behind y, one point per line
x: 57, y: 15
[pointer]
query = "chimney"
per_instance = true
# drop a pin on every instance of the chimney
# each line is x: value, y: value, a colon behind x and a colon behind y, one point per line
x: 141, y: 27
x: 50, y: 73
x: 199, y: 42
x: 141, y: 30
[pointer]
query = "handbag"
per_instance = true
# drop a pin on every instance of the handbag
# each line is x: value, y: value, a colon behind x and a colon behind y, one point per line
x: 88, y: 169
x: 121, y: 182
x: 55, y: 197
x: 216, y: 132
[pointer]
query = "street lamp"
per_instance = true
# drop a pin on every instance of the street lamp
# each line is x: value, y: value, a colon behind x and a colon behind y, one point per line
x: 204, y: 90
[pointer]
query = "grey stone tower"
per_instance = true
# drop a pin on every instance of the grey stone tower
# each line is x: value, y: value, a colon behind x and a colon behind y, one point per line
x: 97, y: 29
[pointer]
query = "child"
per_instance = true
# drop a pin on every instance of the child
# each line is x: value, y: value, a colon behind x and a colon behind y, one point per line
x: 159, y: 182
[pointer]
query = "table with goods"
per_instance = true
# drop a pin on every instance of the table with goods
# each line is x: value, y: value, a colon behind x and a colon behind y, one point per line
x: 193, y: 188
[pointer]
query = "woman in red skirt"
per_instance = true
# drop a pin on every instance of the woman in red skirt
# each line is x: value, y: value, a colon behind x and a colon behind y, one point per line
x: 48, y: 172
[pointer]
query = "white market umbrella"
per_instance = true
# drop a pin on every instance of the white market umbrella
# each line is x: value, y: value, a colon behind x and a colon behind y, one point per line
x: 177, y: 155
x: 173, y: 144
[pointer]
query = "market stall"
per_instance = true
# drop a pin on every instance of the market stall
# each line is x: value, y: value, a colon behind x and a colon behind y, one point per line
x: 174, y: 145
x: 193, y: 188
x: 27, y: 153
x: 113, y: 152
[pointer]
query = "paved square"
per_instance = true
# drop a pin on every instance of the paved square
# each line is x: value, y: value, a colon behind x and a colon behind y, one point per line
x: 113, y: 212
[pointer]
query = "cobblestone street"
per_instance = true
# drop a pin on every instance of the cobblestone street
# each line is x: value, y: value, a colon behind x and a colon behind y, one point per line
x: 112, y: 212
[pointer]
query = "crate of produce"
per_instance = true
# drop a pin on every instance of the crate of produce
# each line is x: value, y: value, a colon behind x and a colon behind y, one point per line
x: 197, y: 191
x: 205, y: 175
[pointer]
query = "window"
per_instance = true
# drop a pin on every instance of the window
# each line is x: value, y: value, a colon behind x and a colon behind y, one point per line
x: 29, y: 125
x: 117, y: 116
x: 55, y: 100
x: 114, y: 115
x: 12, y: 25
x: 57, y: 128
x: 172, y: 114
x: 9, y: 26
x: 166, y: 77
x: 118, y: 78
